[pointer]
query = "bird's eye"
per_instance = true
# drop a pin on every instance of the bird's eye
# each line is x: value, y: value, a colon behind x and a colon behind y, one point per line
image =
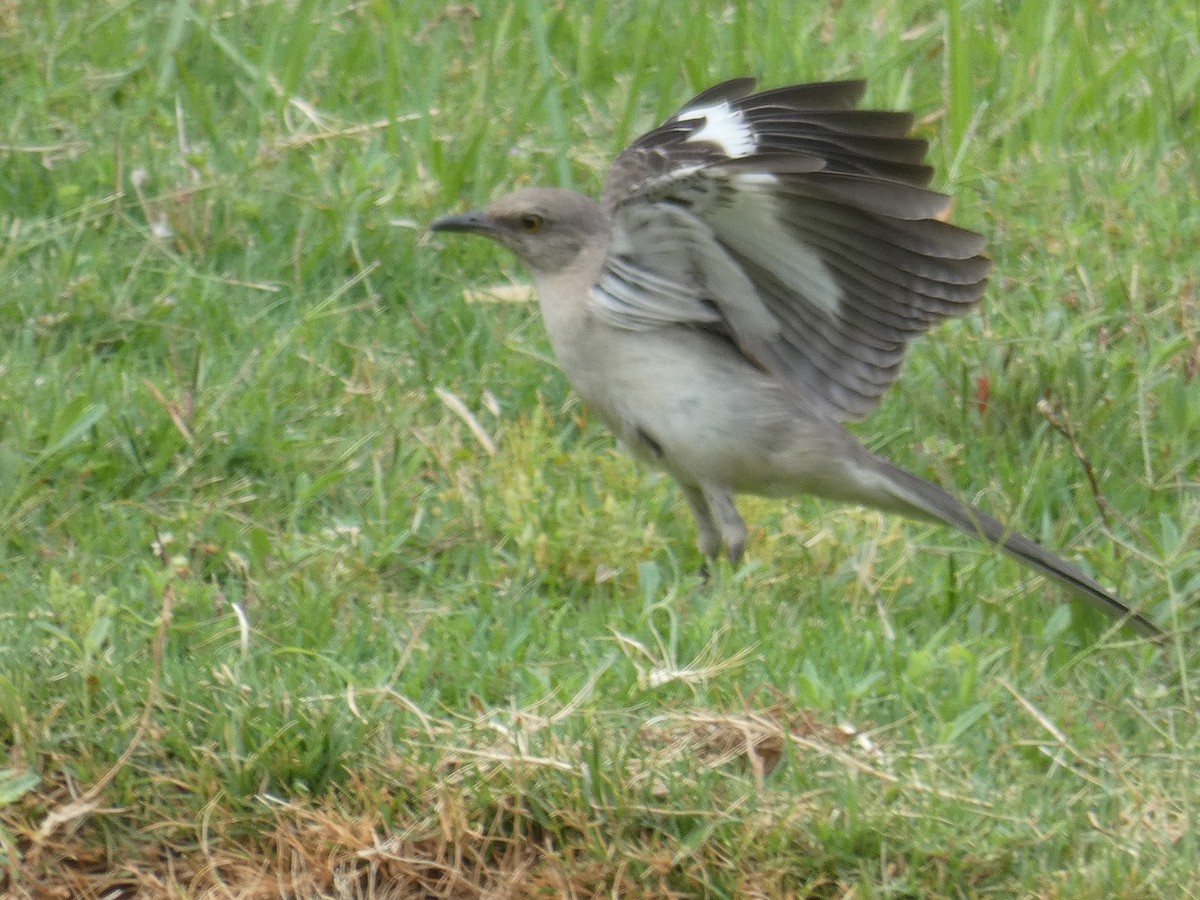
x: 532, y: 223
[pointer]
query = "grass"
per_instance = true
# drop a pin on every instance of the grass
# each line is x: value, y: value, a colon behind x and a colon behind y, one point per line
x: 274, y: 620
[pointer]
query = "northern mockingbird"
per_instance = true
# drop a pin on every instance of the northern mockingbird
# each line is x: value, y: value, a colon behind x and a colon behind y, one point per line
x: 749, y: 281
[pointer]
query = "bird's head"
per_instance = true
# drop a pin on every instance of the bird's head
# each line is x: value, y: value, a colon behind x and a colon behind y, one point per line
x: 545, y: 227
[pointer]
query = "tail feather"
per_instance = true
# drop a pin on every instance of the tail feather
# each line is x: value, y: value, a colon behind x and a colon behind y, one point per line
x: 923, y: 499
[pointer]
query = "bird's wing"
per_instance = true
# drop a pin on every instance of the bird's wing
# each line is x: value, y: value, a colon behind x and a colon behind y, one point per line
x: 796, y: 225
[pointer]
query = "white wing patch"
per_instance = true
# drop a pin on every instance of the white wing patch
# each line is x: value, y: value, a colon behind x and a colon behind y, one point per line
x: 724, y: 126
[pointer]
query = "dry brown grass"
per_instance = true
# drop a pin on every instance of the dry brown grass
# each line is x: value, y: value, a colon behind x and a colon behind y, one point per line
x: 449, y: 845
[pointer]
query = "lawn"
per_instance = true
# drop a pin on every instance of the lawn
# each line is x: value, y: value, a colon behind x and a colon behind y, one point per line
x: 317, y: 581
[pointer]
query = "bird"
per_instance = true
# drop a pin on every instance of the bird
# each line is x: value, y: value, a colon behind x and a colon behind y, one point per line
x: 749, y: 281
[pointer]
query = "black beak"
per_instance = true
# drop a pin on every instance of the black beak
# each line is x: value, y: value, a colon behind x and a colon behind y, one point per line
x: 473, y: 222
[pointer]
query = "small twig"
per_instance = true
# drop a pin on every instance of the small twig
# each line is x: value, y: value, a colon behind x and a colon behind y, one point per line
x: 456, y: 406
x: 852, y: 762
x: 329, y: 133
x: 73, y: 147
x: 501, y: 757
x: 172, y: 411
x: 1062, y: 424
x: 1059, y: 737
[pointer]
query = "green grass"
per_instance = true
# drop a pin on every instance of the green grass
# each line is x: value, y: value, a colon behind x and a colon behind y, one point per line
x: 270, y: 610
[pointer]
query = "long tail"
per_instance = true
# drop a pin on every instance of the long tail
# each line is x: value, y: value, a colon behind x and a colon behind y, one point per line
x: 922, y: 499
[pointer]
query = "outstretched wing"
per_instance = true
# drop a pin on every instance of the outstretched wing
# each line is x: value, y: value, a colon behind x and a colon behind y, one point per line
x: 797, y: 226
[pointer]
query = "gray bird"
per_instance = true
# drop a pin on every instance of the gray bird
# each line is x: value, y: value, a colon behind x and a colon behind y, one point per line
x: 749, y: 281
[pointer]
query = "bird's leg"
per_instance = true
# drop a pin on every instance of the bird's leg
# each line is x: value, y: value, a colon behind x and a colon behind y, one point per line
x: 707, y: 534
x: 719, y: 501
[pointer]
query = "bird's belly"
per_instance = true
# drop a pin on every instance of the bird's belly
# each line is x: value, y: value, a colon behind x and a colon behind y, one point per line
x: 703, y: 417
